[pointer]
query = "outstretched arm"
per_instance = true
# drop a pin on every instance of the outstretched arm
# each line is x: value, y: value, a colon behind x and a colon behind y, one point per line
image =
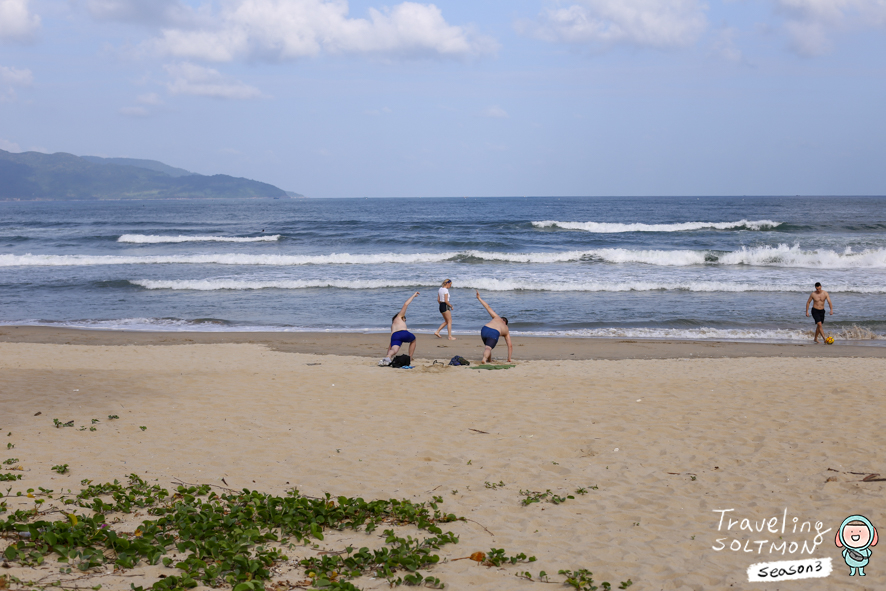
x: 485, y: 305
x: 406, y: 305
x: 510, y: 346
x: 807, y: 305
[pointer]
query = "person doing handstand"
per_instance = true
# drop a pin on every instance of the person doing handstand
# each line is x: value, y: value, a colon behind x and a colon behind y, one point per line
x: 494, y: 329
x: 399, y: 334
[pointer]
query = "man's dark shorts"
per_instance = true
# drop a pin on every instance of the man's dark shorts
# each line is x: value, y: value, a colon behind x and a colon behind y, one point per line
x: 400, y: 337
x: 489, y: 336
x: 817, y: 315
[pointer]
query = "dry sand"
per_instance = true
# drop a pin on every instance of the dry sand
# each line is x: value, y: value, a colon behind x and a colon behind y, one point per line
x: 666, y: 442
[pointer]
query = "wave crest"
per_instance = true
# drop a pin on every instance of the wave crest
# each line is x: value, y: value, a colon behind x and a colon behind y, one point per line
x: 613, y: 228
x: 853, y: 333
x: 152, y: 239
x: 761, y: 256
x: 488, y: 284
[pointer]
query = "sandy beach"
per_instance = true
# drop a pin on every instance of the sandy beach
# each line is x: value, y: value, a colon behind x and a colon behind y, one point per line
x: 660, y: 435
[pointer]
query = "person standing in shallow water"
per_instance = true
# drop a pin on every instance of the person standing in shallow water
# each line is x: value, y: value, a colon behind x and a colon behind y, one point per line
x: 817, y: 298
x: 445, y: 309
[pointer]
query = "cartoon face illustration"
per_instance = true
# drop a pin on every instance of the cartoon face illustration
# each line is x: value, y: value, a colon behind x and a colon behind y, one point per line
x: 856, y: 536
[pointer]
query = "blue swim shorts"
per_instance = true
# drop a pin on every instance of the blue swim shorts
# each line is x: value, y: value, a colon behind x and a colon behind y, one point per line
x: 489, y: 336
x: 400, y: 337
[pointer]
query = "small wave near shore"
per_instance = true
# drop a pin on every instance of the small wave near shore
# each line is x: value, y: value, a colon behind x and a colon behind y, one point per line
x: 614, y: 228
x: 760, y: 256
x: 153, y: 239
x: 489, y: 284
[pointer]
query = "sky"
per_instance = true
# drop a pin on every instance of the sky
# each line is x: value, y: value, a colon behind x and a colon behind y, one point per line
x: 336, y: 98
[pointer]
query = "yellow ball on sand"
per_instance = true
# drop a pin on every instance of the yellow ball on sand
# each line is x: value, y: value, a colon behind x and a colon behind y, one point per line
x: 829, y: 340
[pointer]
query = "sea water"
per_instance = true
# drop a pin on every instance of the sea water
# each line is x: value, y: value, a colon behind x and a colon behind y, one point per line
x: 646, y: 267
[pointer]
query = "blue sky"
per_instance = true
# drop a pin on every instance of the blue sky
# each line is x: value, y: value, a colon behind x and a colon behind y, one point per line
x: 484, y: 97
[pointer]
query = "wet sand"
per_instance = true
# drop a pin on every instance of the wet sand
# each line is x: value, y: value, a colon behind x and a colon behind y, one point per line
x: 430, y: 347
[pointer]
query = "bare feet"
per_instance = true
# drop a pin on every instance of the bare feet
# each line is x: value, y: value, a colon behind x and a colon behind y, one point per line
x: 452, y: 338
x: 437, y: 334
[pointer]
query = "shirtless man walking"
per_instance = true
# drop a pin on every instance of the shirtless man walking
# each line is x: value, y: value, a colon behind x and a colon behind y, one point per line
x: 399, y: 334
x: 818, y: 298
x: 496, y: 328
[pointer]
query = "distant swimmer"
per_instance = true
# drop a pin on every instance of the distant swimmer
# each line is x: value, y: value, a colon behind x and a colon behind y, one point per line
x: 445, y: 309
x: 496, y: 328
x: 399, y: 334
x: 818, y: 298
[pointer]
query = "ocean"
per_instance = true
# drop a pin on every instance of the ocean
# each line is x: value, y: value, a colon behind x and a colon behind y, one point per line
x: 728, y: 268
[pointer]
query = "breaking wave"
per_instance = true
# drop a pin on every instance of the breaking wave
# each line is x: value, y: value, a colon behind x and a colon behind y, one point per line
x: 851, y: 333
x: 612, y: 228
x: 150, y: 239
x: 793, y: 256
x: 223, y: 259
x: 718, y: 334
x: 761, y: 256
x: 488, y: 284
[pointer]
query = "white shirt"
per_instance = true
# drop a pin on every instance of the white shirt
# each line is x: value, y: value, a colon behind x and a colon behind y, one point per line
x: 441, y: 294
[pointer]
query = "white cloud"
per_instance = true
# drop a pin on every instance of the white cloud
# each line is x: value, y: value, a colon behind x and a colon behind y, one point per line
x: 138, y: 112
x: 811, y: 23
x: 149, y: 99
x: 192, y: 79
x: 13, y: 77
x: 16, y: 21
x: 647, y: 23
x: 289, y: 29
x: 495, y: 112
x: 724, y: 45
x: 142, y: 110
x: 146, y: 12
x: 16, y: 77
x: 9, y: 146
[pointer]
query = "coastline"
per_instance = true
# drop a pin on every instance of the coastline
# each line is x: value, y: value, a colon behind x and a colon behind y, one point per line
x: 429, y: 347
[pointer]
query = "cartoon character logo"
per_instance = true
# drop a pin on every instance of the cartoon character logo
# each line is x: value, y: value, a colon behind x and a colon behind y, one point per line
x: 856, y: 536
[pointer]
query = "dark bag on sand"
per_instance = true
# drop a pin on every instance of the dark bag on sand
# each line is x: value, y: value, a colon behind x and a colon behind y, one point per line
x: 459, y: 361
x: 400, y: 361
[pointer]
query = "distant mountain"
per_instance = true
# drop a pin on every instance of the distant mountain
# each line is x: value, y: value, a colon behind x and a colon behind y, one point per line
x: 60, y: 176
x: 149, y: 164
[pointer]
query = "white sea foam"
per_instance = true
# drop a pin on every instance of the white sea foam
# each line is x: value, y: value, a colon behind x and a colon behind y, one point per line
x: 151, y: 239
x: 490, y: 284
x: 612, y: 228
x: 793, y: 256
x: 607, y: 255
x: 234, y: 284
x: 703, y: 333
x: 692, y: 334
x: 761, y: 256
x: 8, y: 260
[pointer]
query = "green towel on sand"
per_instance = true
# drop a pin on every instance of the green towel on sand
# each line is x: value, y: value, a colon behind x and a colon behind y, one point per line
x: 494, y: 367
